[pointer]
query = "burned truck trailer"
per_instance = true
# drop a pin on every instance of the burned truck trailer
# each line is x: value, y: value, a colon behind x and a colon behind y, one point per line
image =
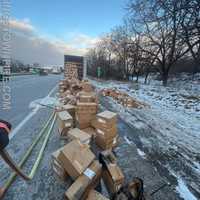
x: 74, y: 67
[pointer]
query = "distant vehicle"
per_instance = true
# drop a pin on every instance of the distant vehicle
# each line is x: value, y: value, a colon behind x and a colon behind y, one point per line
x: 56, y: 71
x: 43, y: 72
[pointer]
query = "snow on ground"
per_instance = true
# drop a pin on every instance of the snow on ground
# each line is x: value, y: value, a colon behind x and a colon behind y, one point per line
x: 170, y: 128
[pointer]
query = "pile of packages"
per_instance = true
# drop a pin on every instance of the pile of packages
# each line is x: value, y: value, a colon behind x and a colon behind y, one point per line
x: 71, y: 71
x: 123, y: 98
x: 89, y: 137
x: 77, y: 162
x: 83, y: 129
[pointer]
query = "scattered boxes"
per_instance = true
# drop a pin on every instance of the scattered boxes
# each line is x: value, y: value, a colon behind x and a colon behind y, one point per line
x: 57, y: 166
x: 106, y: 130
x: 69, y: 108
x: 65, y: 122
x: 94, y: 195
x: 76, y: 133
x: 112, y: 174
x: 91, y: 131
x: 123, y: 98
x: 88, y: 180
x: 75, y: 158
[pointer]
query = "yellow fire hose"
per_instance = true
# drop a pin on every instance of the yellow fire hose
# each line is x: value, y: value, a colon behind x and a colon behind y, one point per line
x: 43, y: 132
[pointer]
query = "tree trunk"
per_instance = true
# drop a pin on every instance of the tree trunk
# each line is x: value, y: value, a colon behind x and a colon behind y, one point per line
x: 165, y: 78
x: 146, y: 76
x: 137, y: 78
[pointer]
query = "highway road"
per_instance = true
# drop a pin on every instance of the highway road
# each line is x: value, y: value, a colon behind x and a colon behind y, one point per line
x: 25, y: 90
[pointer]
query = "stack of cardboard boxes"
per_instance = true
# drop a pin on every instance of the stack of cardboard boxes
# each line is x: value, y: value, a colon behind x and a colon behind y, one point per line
x: 85, y: 113
x: 63, y: 86
x: 106, y: 130
x: 65, y: 122
x: 71, y: 71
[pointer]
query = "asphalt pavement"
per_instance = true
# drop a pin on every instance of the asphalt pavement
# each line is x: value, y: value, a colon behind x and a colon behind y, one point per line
x: 24, y: 90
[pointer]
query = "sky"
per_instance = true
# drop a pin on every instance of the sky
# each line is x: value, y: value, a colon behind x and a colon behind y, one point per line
x: 43, y: 31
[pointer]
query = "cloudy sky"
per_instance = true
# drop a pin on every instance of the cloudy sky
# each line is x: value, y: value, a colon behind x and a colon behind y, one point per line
x: 43, y: 31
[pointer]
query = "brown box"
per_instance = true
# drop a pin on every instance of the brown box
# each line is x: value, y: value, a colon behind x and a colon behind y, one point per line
x: 69, y: 108
x: 65, y: 121
x: 75, y: 158
x: 94, y: 195
x: 87, y: 87
x: 107, y: 133
x: 90, y: 130
x: 110, y: 184
x: 56, y: 164
x: 98, y: 123
x: 84, y: 120
x: 86, y: 107
x: 112, y: 174
x: 87, y: 97
x: 107, y: 117
x: 88, y: 180
x: 83, y: 125
x: 76, y: 133
x: 104, y: 143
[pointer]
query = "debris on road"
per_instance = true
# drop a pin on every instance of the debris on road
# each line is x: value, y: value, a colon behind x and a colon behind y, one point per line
x: 123, y: 98
x: 82, y: 158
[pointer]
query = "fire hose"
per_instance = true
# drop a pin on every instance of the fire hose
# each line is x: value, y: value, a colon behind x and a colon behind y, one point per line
x: 46, y: 131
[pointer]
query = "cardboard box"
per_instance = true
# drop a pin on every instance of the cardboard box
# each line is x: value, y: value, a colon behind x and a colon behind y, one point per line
x: 56, y: 164
x: 80, y: 135
x: 107, y: 117
x: 75, y: 158
x: 87, y: 87
x: 94, y: 195
x: 107, y: 157
x: 111, y: 186
x: 112, y: 174
x: 90, y: 130
x: 64, y: 121
x: 104, y: 143
x: 83, y: 120
x: 88, y: 180
x: 86, y: 107
x: 98, y: 123
x: 107, y: 133
x: 70, y: 109
x: 64, y: 116
x: 83, y: 125
x: 85, y: 97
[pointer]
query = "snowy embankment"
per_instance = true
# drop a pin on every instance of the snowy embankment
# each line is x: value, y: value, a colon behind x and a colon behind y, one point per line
x: 170, y: 127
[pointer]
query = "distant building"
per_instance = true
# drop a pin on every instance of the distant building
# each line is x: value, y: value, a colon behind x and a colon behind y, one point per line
x: 74, y: 61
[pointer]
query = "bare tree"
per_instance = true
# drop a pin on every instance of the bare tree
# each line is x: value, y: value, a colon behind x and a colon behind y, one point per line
x: 191, y: 28
x: 159, y: 23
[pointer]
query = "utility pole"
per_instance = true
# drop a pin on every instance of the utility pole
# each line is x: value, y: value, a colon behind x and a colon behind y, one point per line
x: 84, y: 68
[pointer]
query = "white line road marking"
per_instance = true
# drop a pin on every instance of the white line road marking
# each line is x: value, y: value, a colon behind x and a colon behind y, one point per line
x: 29, y: 116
